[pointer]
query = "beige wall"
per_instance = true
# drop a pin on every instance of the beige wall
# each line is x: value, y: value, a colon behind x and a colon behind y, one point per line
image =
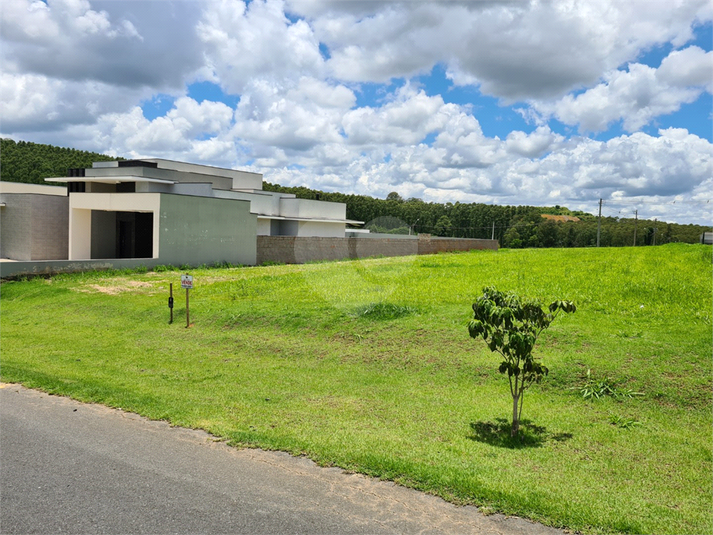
x: 41, y: 189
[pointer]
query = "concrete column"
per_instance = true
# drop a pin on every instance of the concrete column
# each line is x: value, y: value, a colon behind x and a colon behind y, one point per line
x: 80, y: 234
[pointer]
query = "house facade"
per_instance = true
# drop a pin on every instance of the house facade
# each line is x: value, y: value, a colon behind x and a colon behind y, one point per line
x: 182, y: 213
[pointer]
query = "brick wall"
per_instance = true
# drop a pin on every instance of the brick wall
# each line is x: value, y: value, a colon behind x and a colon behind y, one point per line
x: 433, y: 245
x: 50, y: 227
x: 298, y: 250
x: 34, y: 226
x: 16, y: 226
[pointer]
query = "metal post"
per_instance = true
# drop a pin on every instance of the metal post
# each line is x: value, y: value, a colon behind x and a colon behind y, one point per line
x: 599, y: 222
x: 170, y: 301
x: 493, y: 236
x: 188, y: 321
x: 655, y: 229
x: 636, y: 222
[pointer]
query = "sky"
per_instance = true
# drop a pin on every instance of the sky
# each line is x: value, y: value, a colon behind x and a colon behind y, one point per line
x: 496, y: 101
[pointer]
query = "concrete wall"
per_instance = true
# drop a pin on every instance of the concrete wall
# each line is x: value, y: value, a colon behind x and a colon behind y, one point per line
x: 307, y: 208
x: 263, y: 226
x: 50, y: 267
x: 261, y: 202
x: 34, y: 227
x: 320, y: 229
x: 206, y: 230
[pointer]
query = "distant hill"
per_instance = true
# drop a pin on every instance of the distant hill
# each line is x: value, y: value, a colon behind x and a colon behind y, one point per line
x: 22, y: 161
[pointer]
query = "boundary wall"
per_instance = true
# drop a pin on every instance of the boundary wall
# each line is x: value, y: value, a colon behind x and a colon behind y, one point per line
x: 282, y: 249
x: 52, y: 267
x: 297, y: 250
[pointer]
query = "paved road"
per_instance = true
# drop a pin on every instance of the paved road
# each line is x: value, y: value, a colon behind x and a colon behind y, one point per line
x: 68, y: 467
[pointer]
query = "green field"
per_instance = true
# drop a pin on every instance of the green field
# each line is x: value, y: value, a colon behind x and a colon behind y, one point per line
x: 368, y: 365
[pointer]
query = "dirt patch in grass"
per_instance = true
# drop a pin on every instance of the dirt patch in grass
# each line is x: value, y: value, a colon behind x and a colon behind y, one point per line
x: 115, y: 287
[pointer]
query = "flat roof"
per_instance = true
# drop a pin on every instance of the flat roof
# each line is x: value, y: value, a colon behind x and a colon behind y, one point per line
x: 24, y: 187
x: 283, y: 218
x: 110, y: 179
x: 175, y: 165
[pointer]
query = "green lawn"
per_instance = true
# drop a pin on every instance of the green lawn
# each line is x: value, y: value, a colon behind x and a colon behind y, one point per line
x: 368, y: 365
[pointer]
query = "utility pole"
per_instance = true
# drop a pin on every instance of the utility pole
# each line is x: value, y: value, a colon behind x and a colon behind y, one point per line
x: 413, y: 227
x: 636, y: 221
x: 493, y: 236
x: 655, y: 229
x: 599, y: 222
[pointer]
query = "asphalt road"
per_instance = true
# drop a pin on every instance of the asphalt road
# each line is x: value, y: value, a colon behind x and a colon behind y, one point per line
x: 68, y: 467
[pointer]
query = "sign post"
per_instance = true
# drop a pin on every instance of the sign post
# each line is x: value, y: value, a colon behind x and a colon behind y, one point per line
x: 187, y: 283
x: 170, y: 300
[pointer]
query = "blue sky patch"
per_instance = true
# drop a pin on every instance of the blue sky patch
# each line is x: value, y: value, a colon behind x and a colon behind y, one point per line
x: 200, y: 91
x: 158, y: 106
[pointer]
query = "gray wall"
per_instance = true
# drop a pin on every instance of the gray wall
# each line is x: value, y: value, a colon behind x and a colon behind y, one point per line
x: 206, y: 230
x: 34, y: 227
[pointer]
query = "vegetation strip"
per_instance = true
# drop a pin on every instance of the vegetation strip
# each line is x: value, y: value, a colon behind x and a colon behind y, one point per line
x: 512, y: 226
x: 368, y: 365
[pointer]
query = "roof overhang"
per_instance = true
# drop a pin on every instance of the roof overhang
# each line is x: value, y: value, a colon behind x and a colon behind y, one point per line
x: 109, y: 179
x: 313, y: 220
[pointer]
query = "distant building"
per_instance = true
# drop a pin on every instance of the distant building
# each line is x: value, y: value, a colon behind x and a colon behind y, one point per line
x: 707, y: 238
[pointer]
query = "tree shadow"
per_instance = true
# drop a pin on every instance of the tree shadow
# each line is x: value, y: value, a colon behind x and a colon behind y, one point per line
x: 498, y: 434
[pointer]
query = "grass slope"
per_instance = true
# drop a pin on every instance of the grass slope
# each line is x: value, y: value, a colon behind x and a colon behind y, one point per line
x: 368, y: 365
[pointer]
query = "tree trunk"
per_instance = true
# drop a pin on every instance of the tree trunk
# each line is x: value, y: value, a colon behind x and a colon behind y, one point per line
x: 515, y: 417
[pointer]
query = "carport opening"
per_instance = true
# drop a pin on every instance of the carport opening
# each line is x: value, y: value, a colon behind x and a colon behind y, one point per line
x: 122, y: 234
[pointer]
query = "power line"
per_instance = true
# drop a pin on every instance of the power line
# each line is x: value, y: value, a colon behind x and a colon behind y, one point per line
x: 632, y: 201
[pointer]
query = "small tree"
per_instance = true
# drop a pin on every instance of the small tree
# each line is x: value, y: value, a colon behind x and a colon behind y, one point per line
x: 510, y: 326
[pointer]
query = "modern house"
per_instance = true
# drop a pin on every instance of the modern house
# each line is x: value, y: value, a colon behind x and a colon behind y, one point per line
x: 183, y: 213
x: 153, y: 211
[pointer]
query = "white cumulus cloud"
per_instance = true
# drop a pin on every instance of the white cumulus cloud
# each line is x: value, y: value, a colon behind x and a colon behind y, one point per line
x: 638, y: 95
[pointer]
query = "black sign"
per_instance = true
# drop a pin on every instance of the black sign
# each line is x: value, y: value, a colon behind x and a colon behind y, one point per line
x: 170, y: 302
